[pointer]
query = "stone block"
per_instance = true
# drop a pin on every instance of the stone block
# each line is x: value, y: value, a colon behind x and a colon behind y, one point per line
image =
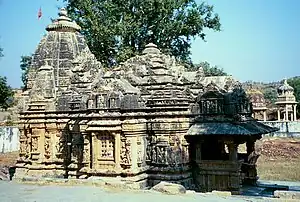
x: 190, y: 192
x: 169, y: 188
x: 83, y: 177
x: 221, y: 193
x: 287, y: 194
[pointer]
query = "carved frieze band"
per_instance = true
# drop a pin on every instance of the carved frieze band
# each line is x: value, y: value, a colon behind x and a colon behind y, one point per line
x: 170, y: 152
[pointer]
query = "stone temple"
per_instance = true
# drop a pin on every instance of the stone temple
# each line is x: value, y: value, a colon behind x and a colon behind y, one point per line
x: 145, y: 121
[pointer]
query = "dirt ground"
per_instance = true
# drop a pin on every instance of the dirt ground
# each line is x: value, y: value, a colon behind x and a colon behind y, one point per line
x: 8, y: 159
x: 279, y: 160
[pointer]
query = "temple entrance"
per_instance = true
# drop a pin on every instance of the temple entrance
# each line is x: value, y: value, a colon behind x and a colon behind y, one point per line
x: 74, y: 145
x: 68, y: 155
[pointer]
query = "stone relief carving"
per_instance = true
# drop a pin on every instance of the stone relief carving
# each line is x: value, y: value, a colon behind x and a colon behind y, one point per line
x: 154, y: 159
x: 139, y: 156
x: 125, y: 152
x: 185, y: 151
x: 139, y: 151
x: 59, y: 145
x: 34, y: 144
x: 47, y: 147
x: 23, y: 146
x: 174, y: 156
x: 161, y: 155
x: 86, y: 149
x: 148, y: 149
x: 24, y: 142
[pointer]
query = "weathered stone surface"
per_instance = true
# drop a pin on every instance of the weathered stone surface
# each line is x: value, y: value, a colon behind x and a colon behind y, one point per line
x: 4, y: 173
x: 221, y: 193
x: 287, y: 194
x: 169, y: 188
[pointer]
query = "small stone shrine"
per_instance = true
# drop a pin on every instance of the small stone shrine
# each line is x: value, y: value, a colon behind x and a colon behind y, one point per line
x: 286, y: 103
x: 146, y: 121
x: 258, y: 104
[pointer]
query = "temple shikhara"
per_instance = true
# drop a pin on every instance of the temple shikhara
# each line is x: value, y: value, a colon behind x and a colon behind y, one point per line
x: 145, y: 121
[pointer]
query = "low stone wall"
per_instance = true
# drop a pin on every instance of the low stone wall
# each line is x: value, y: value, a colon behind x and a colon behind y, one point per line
x: 286, y: 129
x: 9, y: 139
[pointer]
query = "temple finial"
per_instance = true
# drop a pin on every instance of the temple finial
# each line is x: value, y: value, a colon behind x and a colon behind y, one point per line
x: 63, y: 12
x: 63, y: 23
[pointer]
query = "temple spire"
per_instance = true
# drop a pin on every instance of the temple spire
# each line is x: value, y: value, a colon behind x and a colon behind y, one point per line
x: 63, y: 23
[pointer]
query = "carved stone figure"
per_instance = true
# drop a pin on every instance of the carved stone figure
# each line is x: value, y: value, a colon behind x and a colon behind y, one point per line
x: 154, y: 155
x: 126, y: 152
x: 59, y: 147
x: 47, y: 147
x: 161, y: 155
x: 34, y: 144
x: 148, y: 149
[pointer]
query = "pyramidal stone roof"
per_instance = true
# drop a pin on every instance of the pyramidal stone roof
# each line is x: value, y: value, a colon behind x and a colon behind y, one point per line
x: 65, y: 59
x: 75, y: 76
x: 60, y: 48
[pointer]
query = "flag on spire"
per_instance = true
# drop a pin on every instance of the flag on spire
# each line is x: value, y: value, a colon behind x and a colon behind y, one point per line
x: 40, y: 13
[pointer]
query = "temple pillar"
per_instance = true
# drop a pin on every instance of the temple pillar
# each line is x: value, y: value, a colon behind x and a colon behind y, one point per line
x: 94, y: 150
x: 286, y: 113
x: 295, y: 112
x: 198, y: 151
x: 233, y: 151
x: 134, y: 152
x: 265, y: 116
x: 278, y: 114
x: 250, y: 147
x: 117, y: 150
x: 86, y: 150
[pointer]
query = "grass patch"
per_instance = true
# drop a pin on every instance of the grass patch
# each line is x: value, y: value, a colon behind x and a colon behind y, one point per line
x: 278, y: 169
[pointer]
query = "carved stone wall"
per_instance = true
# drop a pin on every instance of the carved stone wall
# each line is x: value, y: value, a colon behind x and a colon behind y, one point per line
x: 42, y: 145
x: 168, y: 150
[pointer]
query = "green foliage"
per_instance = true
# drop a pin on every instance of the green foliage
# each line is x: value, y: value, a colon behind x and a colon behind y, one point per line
x: 119, y: 29
x: 25, y: 63
x: 6, y: 94
x: 295, y: 83
x: 270, y: 94
x: 208, y: 70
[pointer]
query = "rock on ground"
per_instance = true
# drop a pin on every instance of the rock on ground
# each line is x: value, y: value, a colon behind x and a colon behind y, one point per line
x: 4, y: 173
x: 287, y: 194
x: 221, y: 193
x: 169, y: 188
